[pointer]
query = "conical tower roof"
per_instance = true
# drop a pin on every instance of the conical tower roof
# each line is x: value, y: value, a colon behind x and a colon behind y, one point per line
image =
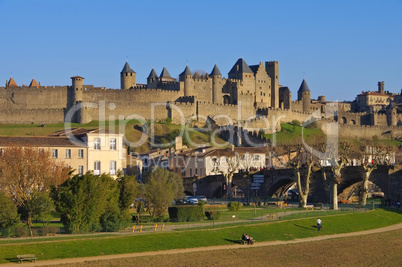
x: 186, y: 72
x: 240, y: 67
x: 165, y: 73
x: 153, y: 75
x: 196, y: 76
x: 12, y: 83
x: 215, y: 71
x: 127, y: 69
x: 303, y: 87
x: 34, y: 83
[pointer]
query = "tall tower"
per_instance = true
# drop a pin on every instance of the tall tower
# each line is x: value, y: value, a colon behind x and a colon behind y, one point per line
x: 216, y: 85
x: 77, y: 86
x: 127, y: 77
x: 187, y: 78
x: 272, y: 68
x: 304, y: 95
x: 381, y: 87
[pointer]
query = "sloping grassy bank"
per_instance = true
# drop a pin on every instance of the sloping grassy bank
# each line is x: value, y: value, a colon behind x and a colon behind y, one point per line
x: 282, y: 230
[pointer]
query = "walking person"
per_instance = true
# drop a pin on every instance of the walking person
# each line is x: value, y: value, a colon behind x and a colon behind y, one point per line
x: 319, y: 226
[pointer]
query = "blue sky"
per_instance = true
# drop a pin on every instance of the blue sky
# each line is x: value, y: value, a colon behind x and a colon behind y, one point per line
x: 339, y: 47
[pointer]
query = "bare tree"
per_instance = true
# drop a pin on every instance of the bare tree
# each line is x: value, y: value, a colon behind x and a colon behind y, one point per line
x: 334, y: 159
x: 26, y: 170
x: 371, y: 156
x: 227, y: 163
x: 301, y: 161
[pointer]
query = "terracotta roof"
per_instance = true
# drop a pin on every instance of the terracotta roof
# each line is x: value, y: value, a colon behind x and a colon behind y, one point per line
x: 80, y: 132
x: 373, y: 93
x: 37, y: 141
x: 77, y: 77
x: 12, y: 83
x: 34, y: 83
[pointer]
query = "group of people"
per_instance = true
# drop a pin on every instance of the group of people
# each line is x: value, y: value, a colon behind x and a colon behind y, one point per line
x: 247, y: 239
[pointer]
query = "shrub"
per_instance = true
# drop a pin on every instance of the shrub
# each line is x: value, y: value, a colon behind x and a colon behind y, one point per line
x: 50, y: 230
x: 296, y: 122
x: 21, y: 231
x: 8, y: 231
x: 312, y: 125
x: 234, y: 206
x: 213, y: 214
x: 186, y: 213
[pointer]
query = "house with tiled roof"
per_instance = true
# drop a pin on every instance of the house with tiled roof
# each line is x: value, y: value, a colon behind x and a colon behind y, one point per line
x: 96, y: 150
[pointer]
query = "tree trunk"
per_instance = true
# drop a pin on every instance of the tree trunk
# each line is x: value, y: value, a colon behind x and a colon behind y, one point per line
x: 334, y: 196
x: 302, y: 195
x: 364, y: 190
x: 229, y: 182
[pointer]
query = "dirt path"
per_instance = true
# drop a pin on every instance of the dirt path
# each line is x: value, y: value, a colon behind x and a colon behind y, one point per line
x: 206, y: 249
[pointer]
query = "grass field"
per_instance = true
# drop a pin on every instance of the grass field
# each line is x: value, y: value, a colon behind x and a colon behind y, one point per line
x: 280, y: 230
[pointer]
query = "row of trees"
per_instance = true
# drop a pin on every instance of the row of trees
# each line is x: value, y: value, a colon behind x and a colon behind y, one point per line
x: 331, y: 159
x: 32, y: 185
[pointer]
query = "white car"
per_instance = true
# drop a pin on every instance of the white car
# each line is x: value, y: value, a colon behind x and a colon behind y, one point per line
x: 192, y: 200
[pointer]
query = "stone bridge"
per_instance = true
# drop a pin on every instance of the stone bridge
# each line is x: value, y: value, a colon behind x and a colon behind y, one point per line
x: 277, y: 182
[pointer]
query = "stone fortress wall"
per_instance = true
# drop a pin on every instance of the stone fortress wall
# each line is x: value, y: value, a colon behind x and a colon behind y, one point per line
x: 250, y: 95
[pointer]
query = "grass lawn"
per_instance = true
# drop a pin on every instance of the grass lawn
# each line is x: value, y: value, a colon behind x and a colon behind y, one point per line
x: 280, y: 230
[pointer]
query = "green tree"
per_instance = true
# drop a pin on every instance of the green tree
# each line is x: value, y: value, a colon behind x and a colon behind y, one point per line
x: 38, y: 207
x: 161, y: 188
x: 8, y: 212
x: 88, y: 202
x: 129, y: 190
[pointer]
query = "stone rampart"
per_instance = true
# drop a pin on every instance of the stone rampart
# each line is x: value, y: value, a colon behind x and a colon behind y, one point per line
x: 28, y: 116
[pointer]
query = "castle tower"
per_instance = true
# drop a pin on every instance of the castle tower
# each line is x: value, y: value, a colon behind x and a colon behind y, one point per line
x: 272, y: 68
x: 304, y: 95
x: 77, y: 88
x: 152, y: 80
x: 391, y: 111
x: 381, y: 87
x: 127, y: 77
x: 188, y: 80
x: 216, y: 85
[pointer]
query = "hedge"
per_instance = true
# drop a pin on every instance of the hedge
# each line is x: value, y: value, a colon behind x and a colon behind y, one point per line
x: 186, y: 213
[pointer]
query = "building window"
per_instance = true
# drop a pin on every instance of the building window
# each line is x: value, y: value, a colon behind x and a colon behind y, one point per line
x: 200, y: 172
x: 80, y: 169
x: 256, y: 157
x: 80, y: 153
x: 55, y: 153
x: 113, y: 167
x: 97, y: 168
x: 68, y: 153
x: 113, y: 144
x: 97, y: 144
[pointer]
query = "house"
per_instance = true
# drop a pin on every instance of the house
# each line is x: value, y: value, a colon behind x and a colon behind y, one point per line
x: 205, y: 161
x: 96, y: 150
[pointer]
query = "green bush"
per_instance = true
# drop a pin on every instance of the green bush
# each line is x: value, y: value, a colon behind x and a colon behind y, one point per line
x: 213, y: 214
x: 234, y: 206
x: 186, y: 213
x: 296, y: 123
x: 8, y: 231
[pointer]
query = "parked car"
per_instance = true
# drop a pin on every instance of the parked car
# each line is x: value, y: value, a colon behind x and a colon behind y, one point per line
x: 202, y: 198
x: 192, y: 200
